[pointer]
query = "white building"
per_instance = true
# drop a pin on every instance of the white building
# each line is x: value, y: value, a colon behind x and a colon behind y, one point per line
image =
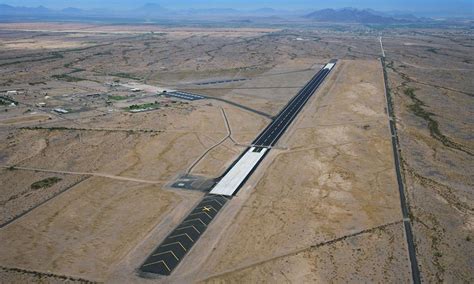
x: 60, y: 110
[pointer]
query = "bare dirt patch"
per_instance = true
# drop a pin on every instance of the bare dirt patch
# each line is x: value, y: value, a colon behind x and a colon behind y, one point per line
x: 85, y: 231
x: 18, y: 196
x: 25, y: 119
x: 40, y: 44
x: 373, y: 256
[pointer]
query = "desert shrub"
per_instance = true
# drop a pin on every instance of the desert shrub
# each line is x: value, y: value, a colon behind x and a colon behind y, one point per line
x: 44, y: 183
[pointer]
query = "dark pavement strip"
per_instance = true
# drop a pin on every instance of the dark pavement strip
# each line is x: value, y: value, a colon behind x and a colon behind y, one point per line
x: 164, y: 259
x: 222, y: 81
x: 273, y: 132
x: 415, y: 270
x: 185, y: 96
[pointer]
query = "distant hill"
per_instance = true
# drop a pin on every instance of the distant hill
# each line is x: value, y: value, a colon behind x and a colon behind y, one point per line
x: 153, y: 11
x: 351, y: 15
x: 149, y: 10
x: 72, y: 11
x: 265, y: 11
x: 151, y: 7
x: 215, y: 11
x: 20, y: 11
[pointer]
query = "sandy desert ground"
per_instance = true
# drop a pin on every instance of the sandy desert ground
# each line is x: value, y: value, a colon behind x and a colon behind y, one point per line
x: 316, y: 203
x: 86, y: 194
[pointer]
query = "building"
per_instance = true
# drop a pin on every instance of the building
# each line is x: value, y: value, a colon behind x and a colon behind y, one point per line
x: 60, y: 111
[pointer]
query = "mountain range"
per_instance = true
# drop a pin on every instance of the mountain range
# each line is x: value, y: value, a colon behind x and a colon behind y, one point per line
x: 349, y: 15
x: 153, y: 11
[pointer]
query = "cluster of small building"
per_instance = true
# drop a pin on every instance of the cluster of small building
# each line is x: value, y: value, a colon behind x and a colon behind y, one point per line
x: 7, y: 98
x: 9, y: 94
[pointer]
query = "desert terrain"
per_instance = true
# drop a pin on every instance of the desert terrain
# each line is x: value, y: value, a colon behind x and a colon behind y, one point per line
x: 91, y: 147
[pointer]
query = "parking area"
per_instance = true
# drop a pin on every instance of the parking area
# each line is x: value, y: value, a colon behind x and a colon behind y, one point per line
x: 185, y: 96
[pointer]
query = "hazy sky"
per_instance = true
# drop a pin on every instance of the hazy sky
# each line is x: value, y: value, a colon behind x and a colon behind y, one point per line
x: 449, y: 6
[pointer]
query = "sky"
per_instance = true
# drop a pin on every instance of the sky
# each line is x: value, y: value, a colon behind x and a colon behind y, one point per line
x: 431, y: 6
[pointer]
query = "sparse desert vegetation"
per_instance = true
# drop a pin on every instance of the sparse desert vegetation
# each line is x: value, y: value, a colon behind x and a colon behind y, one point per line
x: 44, y: 183
x: 92, y: 141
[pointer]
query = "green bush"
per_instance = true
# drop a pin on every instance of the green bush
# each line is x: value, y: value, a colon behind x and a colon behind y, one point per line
x: 44, y: 183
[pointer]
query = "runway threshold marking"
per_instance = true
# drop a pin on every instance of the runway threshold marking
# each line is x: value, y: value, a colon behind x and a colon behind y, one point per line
x: 198, y: 213
x: 167, y: 256
x: 196, y: 219
x: 180, y: 235
x: 162, y: 262
x: 172, y: 244
x: 183, y: 228
x: 169, y: 251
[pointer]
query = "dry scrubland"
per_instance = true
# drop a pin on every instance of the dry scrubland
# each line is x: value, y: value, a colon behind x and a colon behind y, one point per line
x: 88, y: 196
x: 338, y: 179
x: 430, y: 76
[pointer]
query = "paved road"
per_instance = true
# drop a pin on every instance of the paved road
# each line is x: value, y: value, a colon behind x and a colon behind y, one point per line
x: 381, y: 47
x: 272, y: 133
x: 193, y: 97
x: 416, y: 276
x: 222, y: 81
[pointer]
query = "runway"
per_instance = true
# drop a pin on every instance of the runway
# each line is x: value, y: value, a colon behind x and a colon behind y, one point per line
x: 167, y: 256
x: 273, y: 132
x: 241, y: 170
